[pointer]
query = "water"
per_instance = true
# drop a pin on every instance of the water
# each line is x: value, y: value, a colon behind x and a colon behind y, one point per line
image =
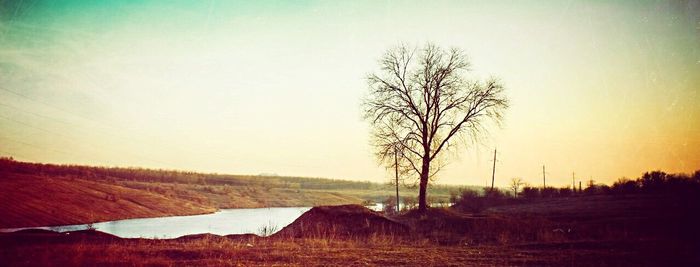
x: 376, y: 207
x: 380, y: 206
x: 223, y: 222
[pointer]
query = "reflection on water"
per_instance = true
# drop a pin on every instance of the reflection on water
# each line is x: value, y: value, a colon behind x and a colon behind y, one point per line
x: 223, y: 222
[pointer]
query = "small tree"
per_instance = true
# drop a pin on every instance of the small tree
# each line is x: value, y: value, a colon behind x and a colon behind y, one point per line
x: 389, y: 206
x: 515, y: 184
x: 409, y: 202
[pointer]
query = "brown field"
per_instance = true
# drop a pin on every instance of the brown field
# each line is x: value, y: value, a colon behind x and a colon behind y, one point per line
x: 380, y: 251
x: 30, y: 200
x: 34, y: 194
x: 633, y: 230
x: 34, y: 200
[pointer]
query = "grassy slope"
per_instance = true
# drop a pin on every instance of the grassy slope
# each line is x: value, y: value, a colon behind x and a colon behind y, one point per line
x: 30, y: 200
x: 34, y: 194
x: 244, y: 196
x: 35, y: 200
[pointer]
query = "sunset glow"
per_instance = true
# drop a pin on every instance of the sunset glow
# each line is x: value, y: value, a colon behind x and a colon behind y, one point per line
x: 602, y: 90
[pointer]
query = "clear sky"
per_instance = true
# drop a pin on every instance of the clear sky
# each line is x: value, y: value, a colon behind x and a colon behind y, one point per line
x: 603, y: 89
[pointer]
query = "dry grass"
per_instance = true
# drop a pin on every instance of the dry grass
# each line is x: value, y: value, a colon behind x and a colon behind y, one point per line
x: 441, y: 237
x: 37, y: 200
x: 33, y: 194
x: 30, y: 200
x: 378, y: 251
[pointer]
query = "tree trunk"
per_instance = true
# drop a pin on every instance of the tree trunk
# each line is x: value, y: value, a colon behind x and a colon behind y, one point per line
x: 423, y: 190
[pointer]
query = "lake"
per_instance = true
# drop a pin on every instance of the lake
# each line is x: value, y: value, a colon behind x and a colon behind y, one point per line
x: 223, y: 222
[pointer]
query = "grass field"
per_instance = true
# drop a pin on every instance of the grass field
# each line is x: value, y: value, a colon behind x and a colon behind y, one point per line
x: 222, y: 251
x: 634, y: 230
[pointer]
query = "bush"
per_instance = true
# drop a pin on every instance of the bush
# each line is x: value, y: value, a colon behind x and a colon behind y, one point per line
x: 530, y: 192
x: 548, y: 192
x: 565, y: 192
x: 267, y: 229
x: 493, y: 194
x: 625, y: 186
x: 389, y: 206
x: 470, y: 201
x: 409, y: 203
x: 653, y: 182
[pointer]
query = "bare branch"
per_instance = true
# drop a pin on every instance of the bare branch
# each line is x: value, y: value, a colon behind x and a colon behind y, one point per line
x: 421, y: 103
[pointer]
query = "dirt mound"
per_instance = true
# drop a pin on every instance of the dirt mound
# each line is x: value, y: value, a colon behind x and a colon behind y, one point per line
x: 341, y: 221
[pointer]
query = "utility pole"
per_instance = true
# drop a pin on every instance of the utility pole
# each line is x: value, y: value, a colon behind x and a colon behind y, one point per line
x: 396, y: 172
x: 544, y: 178
x: 493, y: 172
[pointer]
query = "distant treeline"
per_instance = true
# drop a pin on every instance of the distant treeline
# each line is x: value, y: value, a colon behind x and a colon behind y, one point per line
x: 173, y: 176
x: 187, y: 177
x: 654, y: 182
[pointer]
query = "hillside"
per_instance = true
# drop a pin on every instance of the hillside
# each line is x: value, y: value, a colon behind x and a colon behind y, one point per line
x: 33, y: 200
x: 36, y: 194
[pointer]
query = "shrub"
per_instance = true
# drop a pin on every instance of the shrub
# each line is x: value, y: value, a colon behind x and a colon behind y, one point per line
x: 530, y: 192
x: 267, y: 229
x: 389, y: 206
x: 548, y: 192
x: 653, y: 182
x: 625, y: 186
x: 565, y: 192
x: 409, y: 203
x: 470, y: 200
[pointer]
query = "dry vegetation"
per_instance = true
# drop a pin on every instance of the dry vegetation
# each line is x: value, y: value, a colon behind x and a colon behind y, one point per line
x: 45, y: 194
x: 378, y: 251
x: 636, y: 230
x: 31, y: 200
x: 652, y: 222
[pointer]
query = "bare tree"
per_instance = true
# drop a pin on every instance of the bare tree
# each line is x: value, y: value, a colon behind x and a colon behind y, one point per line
x: 515, y: 184
x: 422, y: 100
x: 390, y: 154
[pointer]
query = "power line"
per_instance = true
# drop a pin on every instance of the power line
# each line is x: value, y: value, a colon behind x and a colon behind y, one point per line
x: 62, y: 121
x: 35, y: 114
x: 69, y: 138
x: 104, y: 131
x: 32, y: 126
x: 45, y: 103
x: 37, y: 146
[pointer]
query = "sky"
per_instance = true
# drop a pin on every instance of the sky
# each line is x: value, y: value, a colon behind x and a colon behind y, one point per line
x: 598, y: 89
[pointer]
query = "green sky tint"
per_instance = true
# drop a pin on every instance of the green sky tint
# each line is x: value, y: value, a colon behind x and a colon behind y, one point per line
x: 603, y: 89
